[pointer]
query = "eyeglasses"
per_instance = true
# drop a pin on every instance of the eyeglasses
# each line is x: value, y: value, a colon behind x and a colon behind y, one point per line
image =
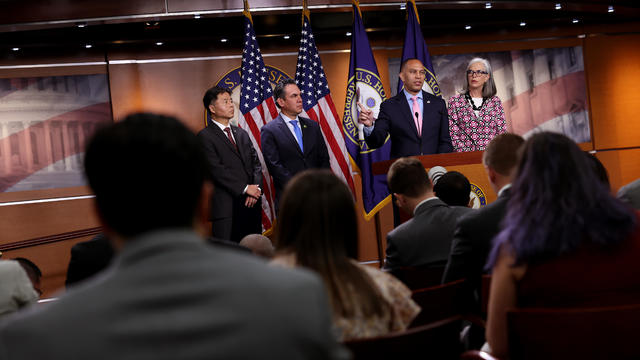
x: 476, y: 73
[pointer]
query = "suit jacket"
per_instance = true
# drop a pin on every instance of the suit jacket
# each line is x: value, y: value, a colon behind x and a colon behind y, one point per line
x: 425, y: 238
x: 231, y: 170
x: 168, y: 295
x: 396, y: 119
x: 89, y: 258
x: 630, y: 194
x: 282, y: 154
x: 472, y: 242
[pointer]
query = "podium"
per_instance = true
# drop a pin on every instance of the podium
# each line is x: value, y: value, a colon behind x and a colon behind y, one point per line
x: 467, y: 163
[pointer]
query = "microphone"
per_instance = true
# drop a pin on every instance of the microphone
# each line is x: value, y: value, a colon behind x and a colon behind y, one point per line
x: 435, y: 173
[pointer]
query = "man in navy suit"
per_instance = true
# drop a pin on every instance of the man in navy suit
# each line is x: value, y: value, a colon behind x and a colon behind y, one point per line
x: 234, y: 168
x: 416, y: 121
x: 291, y: 143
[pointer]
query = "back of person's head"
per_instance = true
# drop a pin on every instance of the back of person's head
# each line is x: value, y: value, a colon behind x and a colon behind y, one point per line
x: 33, y: 272
x: 317, y: 223
x: 453, y: 188
x: 259, y: 245
x: 147, y: 172
x: 557, y: 204
x: 501, y: 154
x: 408, y: 177
x: 599, y: 171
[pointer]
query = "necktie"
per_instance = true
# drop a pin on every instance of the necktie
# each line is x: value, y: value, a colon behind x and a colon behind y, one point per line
x: 298, y: 132
x: 228, y: 131
x: 416, y: 110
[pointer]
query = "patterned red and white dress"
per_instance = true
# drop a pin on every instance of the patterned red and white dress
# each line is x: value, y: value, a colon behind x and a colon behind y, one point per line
x: 470, y: 132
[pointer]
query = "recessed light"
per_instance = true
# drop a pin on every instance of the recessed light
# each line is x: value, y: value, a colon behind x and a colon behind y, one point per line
x: 15, y: 48
x: 610, y: 9
x: 196, y: 16
x: 575, y: 21
x: 403, y: 6
x: 558, y: 6
x: 81, y: 25
x: 348, y: 33
x: 522, y: 23
x: 468, y: 27
x: 223, y: 40
x: 88, y: 46
x: 159, y: 43
x: 487, y: 5
x: 286, y: 37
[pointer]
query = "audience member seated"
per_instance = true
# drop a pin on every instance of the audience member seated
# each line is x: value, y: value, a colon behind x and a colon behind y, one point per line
x: 566, y: 241
x: 598, y: 169
x: 169, y: 295
x: 475, y: 231
x: 33, y: 272
x: 259, y: 245
x: 16, y: 290
x: 426, y: 238
x: 630, y: 194
x: 453, y: 188
x: 89, y: 258
x: 318, y: 229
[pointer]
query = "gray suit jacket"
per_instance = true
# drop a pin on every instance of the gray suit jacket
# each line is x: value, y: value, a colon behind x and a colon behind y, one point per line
x: 425, y: 238
x: 630, y: 194
x: 168, y: 295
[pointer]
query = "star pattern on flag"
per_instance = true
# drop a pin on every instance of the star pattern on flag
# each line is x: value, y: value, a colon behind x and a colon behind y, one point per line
x: 309, y: 71
x: 255, y: 86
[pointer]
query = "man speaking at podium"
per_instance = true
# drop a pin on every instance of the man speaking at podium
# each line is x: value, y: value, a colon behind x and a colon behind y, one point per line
x: 416, y: 121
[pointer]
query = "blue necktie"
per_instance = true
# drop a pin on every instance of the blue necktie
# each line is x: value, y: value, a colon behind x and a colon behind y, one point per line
x: 298, y: 132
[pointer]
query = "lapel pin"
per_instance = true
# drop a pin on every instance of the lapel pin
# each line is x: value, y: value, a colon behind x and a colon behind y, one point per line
x: 428, y: 101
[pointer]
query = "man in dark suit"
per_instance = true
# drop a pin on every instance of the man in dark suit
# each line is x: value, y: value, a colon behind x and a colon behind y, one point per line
x: 474, y: 232
x: 426, y: 238
x: 291, y: 143
x: 234, y: 168
x: 416, y: 121
x: 167, y: 294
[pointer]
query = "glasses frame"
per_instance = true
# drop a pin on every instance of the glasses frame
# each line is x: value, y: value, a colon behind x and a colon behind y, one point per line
x: 477, y: 73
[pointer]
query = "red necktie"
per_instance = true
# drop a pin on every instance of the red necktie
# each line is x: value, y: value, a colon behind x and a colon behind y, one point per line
x: 228, y: 131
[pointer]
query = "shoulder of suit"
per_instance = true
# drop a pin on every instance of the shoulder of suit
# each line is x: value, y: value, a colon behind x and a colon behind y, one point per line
x: 431, y: 97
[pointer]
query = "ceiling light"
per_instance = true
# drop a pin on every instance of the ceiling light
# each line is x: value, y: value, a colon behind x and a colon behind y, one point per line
x: 610, y: 9
x: 487, y: 5
x: 223, y: 40
x: 522, y: 23
x: 159, y: 43
x: 558, y: 6
x: 403, y: 6
x: 15, y: 48
x: 286, y: 37
x: 196, y: 16
x: 575, y: 21
x: 348, y: 33
x: 468, y: 27
x: 81, y: 25
x: 88, y: 46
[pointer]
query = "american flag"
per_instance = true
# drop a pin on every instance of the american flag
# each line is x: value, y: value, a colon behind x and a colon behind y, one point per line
x: 317, y: 102
x: 257, y: 108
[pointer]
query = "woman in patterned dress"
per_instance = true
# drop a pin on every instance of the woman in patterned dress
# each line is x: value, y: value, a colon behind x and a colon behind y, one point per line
x: 476, y: 115
x: 317, y: 229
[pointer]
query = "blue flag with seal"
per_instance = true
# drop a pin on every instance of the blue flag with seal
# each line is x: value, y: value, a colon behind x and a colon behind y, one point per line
x: 416, y: 48
x: 365, y: 87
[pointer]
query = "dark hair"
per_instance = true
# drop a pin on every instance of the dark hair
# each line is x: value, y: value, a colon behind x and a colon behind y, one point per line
x: 278, y: 91
x: 147, y: 173
x: 453, y: 188
x: 598, y: 169
x: 30, y: 268
x: 501, y: 154
x: 321, y: 230
x: 404, y: 63
x: 556, y: 204
x: 408, y: 177
x: 212, y: 95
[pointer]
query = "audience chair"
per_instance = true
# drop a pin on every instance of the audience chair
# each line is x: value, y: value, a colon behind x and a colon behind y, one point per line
x: 439, y: 302
x: 574, y: 333
x: 419, y: 277
x: 438, y: 340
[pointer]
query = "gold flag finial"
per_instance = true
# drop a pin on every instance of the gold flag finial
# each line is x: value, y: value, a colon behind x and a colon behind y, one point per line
x: 246, y: 11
